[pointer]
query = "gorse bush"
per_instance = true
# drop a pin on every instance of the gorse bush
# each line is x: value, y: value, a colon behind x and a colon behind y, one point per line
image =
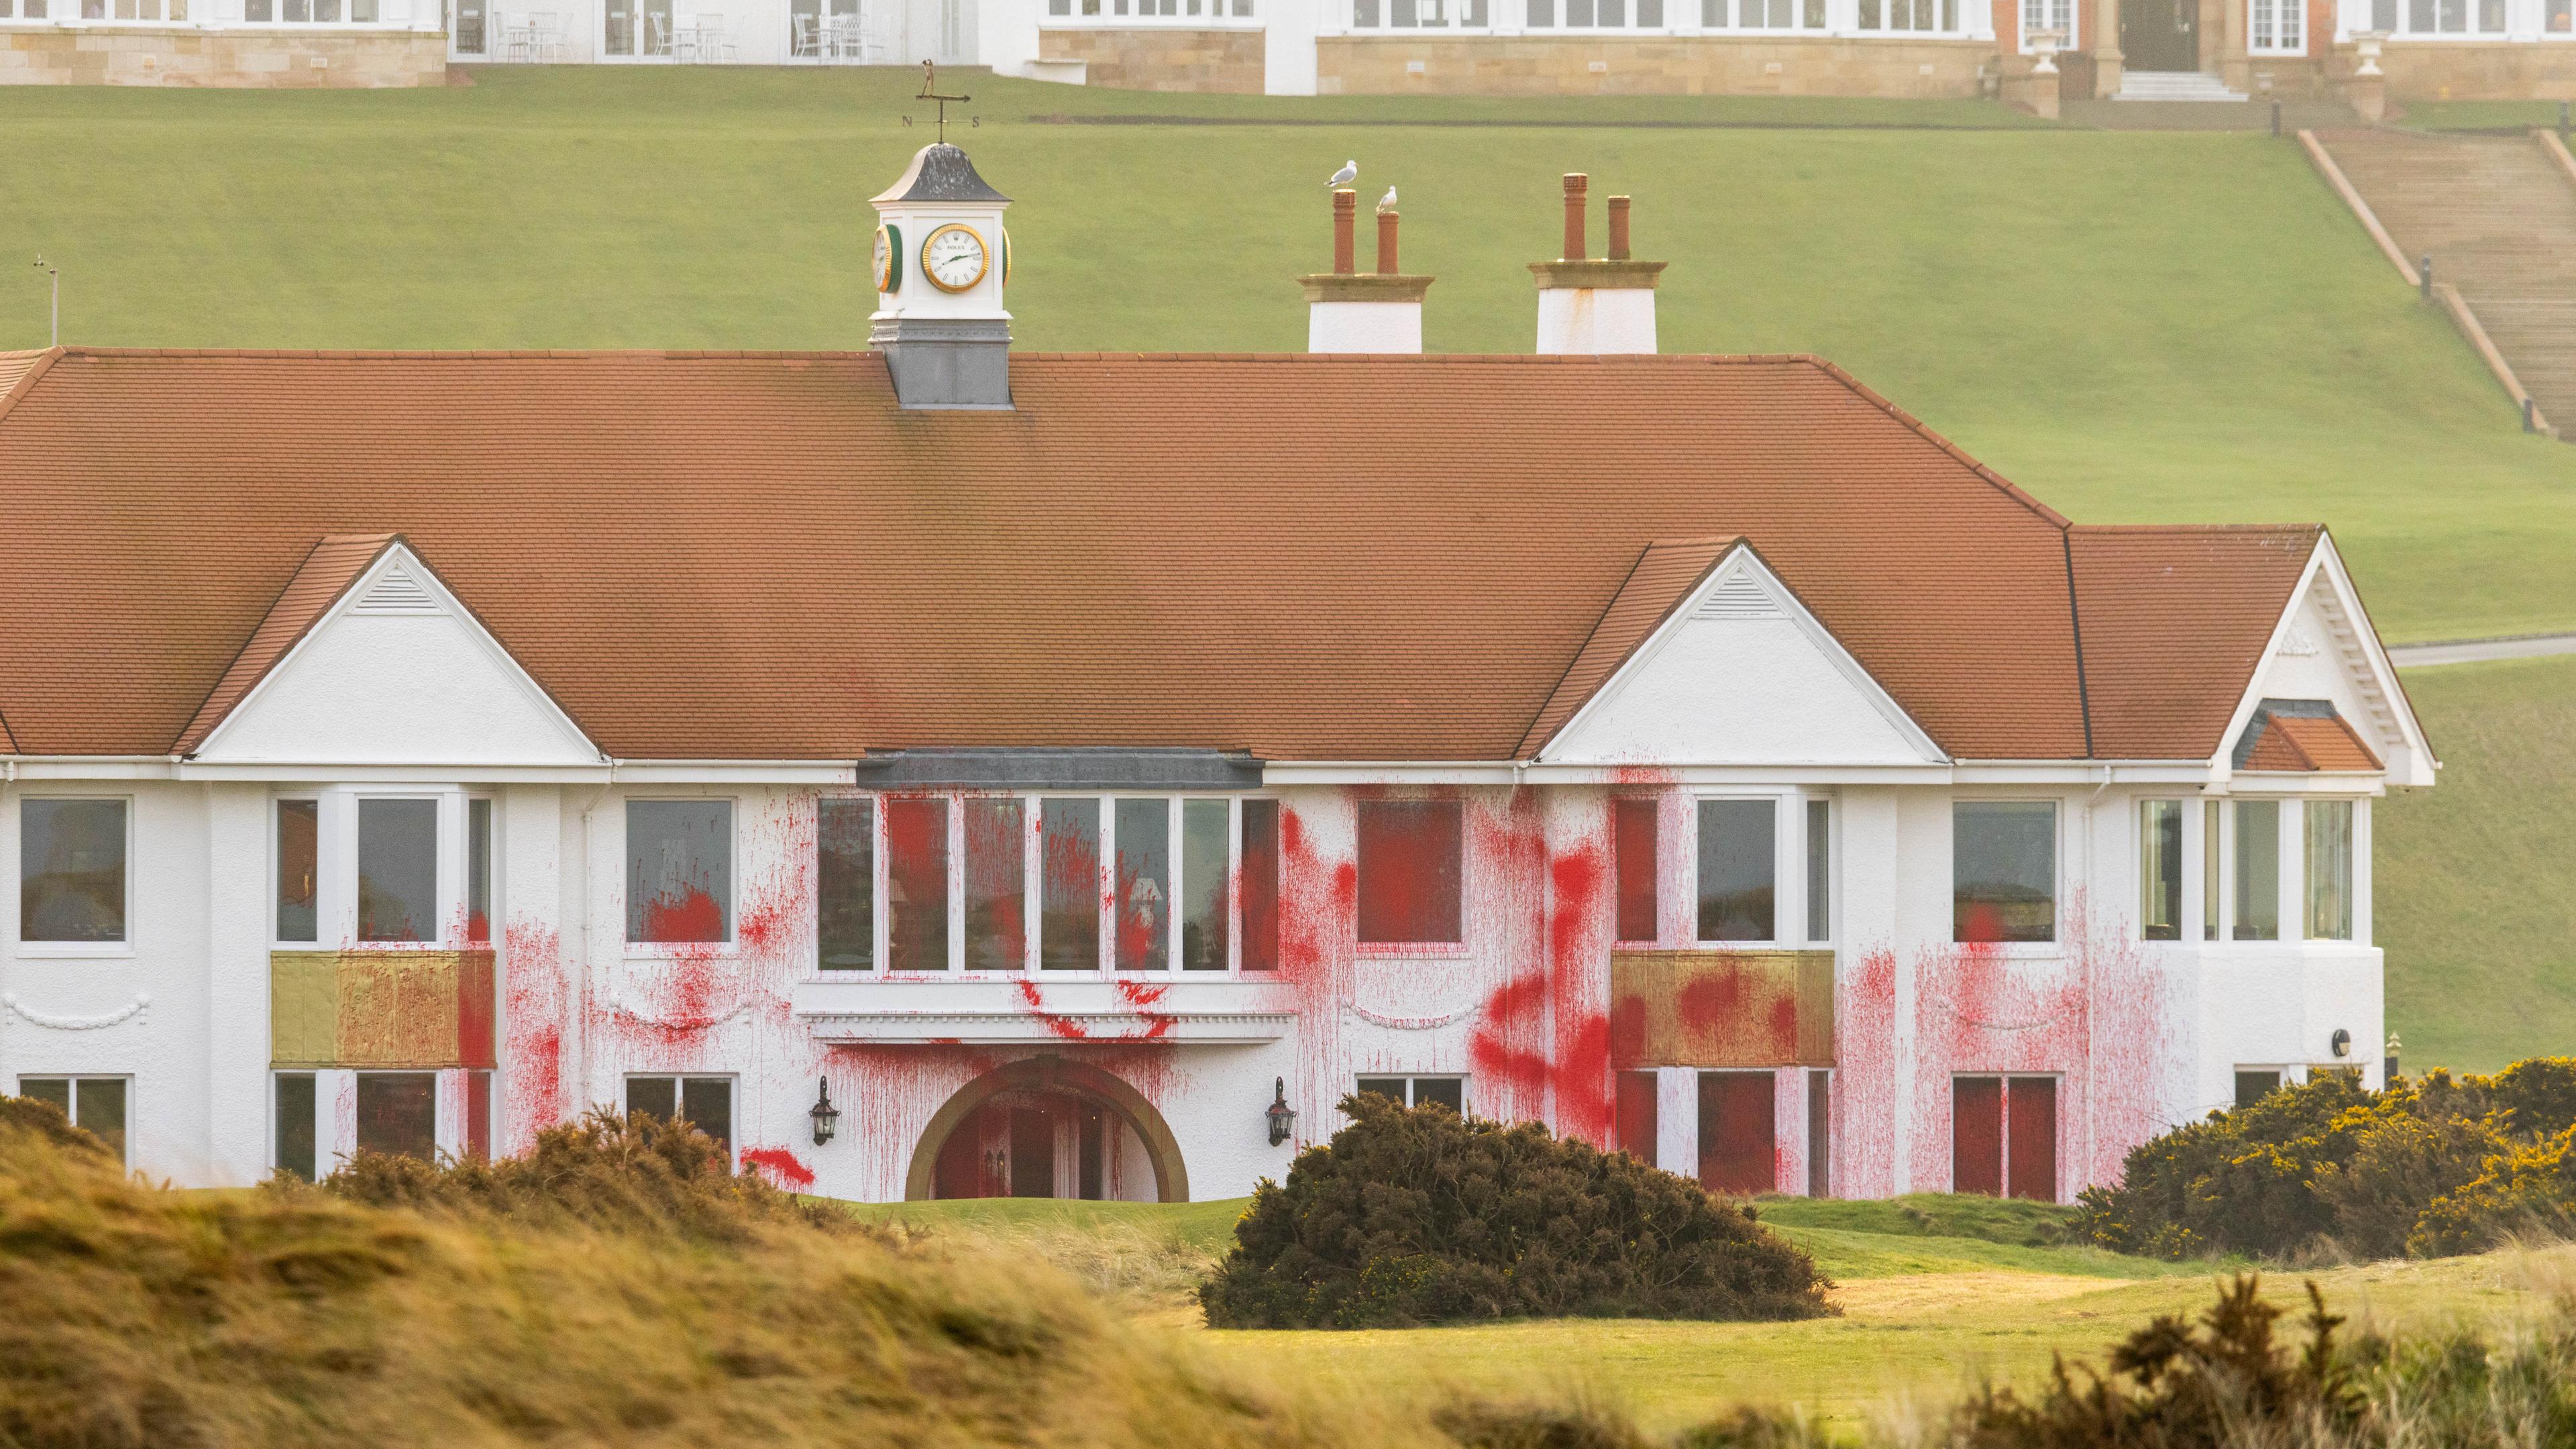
x: 2433, y: 1166
x: 1415, y: 1216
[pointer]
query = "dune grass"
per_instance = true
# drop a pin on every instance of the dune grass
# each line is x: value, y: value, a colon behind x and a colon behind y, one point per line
x: 2138, y: 326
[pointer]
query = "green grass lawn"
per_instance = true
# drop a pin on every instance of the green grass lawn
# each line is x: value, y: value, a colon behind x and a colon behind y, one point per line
x: 2472, y: 878
x: 2135, y: 325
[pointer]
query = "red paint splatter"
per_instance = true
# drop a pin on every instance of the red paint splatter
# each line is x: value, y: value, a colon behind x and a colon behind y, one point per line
x: 693, y: 915
x: 781, y: 1165
x: 532, y: 1051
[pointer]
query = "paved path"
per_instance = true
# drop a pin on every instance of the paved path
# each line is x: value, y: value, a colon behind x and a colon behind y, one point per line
x: 2467, y: 651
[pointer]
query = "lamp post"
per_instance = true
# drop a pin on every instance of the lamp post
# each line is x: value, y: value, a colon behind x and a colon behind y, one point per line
x: 827, y: 1118
x: 55, y: 275
x: 1283, y: 1118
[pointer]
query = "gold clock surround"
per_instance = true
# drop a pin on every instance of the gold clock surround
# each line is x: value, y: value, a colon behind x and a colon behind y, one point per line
x: 983, y: 249
x: 889, y: 258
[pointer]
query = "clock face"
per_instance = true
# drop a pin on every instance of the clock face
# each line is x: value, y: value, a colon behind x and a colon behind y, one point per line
x: 954, y: 258
x: 888, y: 262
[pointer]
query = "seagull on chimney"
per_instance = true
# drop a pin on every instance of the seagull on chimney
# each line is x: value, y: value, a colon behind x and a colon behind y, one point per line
x: 1350, y: 172
x: 1386, y: 203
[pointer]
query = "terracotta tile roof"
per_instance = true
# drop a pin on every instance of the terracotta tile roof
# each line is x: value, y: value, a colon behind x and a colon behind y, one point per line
x: 1665, y: 574
x: 326, y: 573
x: 759, y: 556
x: 2317, y: 738
x: 2170, y: 615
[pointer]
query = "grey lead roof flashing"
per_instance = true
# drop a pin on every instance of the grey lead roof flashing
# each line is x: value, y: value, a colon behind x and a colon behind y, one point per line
x: 2261, y: 720
x: 1061, y: 769
x: 940, y: 172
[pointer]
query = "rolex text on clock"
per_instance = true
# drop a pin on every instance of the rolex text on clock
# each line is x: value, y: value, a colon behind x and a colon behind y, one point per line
x: 955, y: 258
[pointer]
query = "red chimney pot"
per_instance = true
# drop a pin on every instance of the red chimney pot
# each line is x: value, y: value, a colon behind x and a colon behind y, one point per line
x: 1618, y: 228
x: 1346, y: 211
x: 1386, y: 243
x: 1575, y: 181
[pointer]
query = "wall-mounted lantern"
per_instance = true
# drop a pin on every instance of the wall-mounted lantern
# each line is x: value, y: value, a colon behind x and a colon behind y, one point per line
x: 2341, y: 1041
x: 1283, y: 1118
x: 827, y: 1118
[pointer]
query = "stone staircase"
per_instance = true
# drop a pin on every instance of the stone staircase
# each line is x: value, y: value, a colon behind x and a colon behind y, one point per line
x: 2173, y: 85
x: 2498, y: 218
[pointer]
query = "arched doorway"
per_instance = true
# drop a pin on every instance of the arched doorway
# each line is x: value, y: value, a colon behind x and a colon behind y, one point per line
x: 1047, y: 1127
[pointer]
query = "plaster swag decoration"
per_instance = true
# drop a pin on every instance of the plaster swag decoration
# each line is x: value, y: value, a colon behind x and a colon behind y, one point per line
x: 142, y: 1002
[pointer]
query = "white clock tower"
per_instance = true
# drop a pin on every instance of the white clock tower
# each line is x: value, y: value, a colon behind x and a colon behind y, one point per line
x: 941, y: 259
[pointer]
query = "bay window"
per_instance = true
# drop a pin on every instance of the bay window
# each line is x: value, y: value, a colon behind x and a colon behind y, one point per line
x: 2160, y: 870
x: 72, y: 886
x: 845, y: 880
x: 916, y: 885
x: 1069, y: 898
x: 2328, y: 873
x: 1738, y: 869
x: 1203, y: 872
x: 2258, y: 870
x: 353, y: 868
x: 397, y: 870
x: 2003, y: 860
x: 995, y: 883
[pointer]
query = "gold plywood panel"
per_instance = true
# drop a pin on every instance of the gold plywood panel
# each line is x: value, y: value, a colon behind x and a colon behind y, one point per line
x: 1722, y: 1008
x: 381, y: 1008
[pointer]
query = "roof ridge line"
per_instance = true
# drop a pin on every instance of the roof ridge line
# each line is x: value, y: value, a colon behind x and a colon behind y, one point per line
x: 1923, y: 430
x: 384, y: 542
x: 44, y: 363
x: 1643, y: 553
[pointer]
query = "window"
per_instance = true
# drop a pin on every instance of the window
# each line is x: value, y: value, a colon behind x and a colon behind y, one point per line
x: 1142, y: 885
x: 1069, y: 885
x: 469, y: 26
x: 2277, y: 27
x: 2258, y: 870
x: 1632, y: 851
x: 705, y: 1103
x: 1633, y: 1115
x: 679, y: 871
x: 1542, y: 14
x: 478, y: 871
x: 916, y: 885
x: 2212, y: 891
x: 1409, y: 872
x: 1738, y: 859
x: 1820, y: 871
x: 71, y: 870
x: 1738, y: 1133
x: 2003, y: 1136
x: 398, y: 1114
x: 845, y: 884
x: 1760, y: 14
x: 299, y: 864
x: 2559, y: 16
x: 2253, y: 1084
x: 2043, y: 16
x: 397, y: 870
x: 293, y: 1148
x: 95, y: 1104
x: 1203, y: 906
x: 2329, y: 869
x: 1820, y: 1133
x: 1257, y: 873
x: 2454, y: 17
x: 1909, y: 14
x: 996, y: 837
x: 2160, y: 869
x: 1449, y: 1092
x: 2003, y: 861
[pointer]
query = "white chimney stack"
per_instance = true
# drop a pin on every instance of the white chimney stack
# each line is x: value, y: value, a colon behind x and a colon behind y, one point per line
x: 1348, y: 310
x: 1592, y: 305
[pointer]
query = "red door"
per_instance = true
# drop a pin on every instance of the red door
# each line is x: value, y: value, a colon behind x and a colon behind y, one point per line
x: 1737, y: 1151
x: 1977, y: 1135
x: 2031, y: 1116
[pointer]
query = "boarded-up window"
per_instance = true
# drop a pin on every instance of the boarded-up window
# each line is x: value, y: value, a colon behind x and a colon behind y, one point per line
x: 679, y: 870
x: 845, y: 884
x: 1738, y: 1139
x: 1738, y: 869
x: 996, y: 883
x: 1203, y: 896
x: 1632, y: 848
x: 71, y: 870
x: 2003, y: 1134
x: 398, y: 870
x: 398, y: 1114
x: 2160, y: 869
x: 2003, y: 858
x: 1977, y: 1135
x: 2258, y: 870
x: 294, y: 1124
x: 917, y: 885
x: 95, y: 1104
x: 1258, y: 875
x: 1410, y: 865
x: 1142, y: 884
x: 1635, y: 1115
x: 299, y: 864
x: 1069, y: 885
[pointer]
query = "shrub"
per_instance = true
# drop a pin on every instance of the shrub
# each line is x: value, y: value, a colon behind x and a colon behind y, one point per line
x: 1415, y: 1216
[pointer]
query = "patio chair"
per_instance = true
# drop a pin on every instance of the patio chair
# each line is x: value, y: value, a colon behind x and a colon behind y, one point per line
x: 802, y: 39
x: 657, y: 34
x: 714, y: 47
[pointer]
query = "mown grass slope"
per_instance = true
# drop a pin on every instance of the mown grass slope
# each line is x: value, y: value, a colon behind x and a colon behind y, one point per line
x: 2137, y: 326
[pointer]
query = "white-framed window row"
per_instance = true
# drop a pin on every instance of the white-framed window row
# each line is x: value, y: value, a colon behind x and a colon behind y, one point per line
x: 75, y: 889
x: 2458, y: 19
x: 1178, y: 14
x: 380, y: 868
x: 2276, y: 27
x: 1860, y: 18
x: 1763, y: 867
x: 2253, y: 869
x: 98, y: 12
x: 1046, y: 884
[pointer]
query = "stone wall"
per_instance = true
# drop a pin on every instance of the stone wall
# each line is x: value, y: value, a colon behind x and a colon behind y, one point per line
x: 179, y: 55
x: 2471, y: 71
x: 1544, y: 65
x: 1161, y: 59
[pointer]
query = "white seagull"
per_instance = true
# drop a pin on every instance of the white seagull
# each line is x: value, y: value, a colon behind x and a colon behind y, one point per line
x: 1350, y: 172
x: 1386, y: 203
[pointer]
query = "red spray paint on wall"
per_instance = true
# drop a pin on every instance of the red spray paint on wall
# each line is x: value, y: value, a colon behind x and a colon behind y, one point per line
x: 781, y: 1166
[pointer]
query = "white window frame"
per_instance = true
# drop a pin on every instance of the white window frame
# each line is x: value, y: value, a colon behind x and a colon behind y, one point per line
x: 18, y: 1085
x: 1788, y: 867
x: 2062, y: 872
x: 2031, y: 17
x: 1833, y: 867
x: 678, y: 1081
x: 1033, y: 886
x: 1183, y: 14
x: 2190, y: 824
x: 26, y: 950
x: 1411, y: 1079
x: 2288, y: 34
x: 664, y: 950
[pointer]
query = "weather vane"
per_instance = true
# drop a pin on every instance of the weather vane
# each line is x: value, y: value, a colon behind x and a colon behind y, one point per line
x: 929, y: 80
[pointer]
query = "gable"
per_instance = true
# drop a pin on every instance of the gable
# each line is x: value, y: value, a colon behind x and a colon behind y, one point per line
x: 396, y: 672
x: 1740, y: 673
x: 2324, y: 650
